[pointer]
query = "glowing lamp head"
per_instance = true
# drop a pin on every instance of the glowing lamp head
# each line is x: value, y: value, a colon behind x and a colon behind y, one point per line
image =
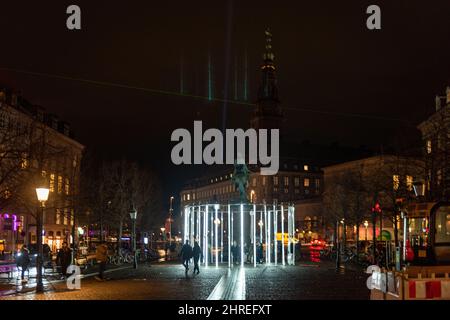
x: 163, y: 229
x: 217, y: 221
x: 42, y: 194
x: 133, y: 214
x: 366, y: 223
x: 216, y: 206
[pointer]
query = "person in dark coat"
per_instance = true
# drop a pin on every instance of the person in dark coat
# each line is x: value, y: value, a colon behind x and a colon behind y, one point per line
x: 23, y: 260
x: 64, y: 258
x: 235, y: 252
x: 259, y: 253
x: 186, y: 255
x: 196, y: 254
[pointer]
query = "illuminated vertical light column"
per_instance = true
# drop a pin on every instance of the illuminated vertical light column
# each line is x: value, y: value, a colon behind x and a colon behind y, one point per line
x: 229, y: 235
x: 212, y: 237
x: 242, y: 235
x: 293, y: 233
x: 192, y: 231
x: 289, y: 236
x: 232, y: 231
x: 216, y: 232
x: 254, y: 235
x: 269, y: 227
x: 198, y: 224
x: 221, y: 236
x: 186, y: 234
x: 205, y: 236
x: 266, y: 226
x: 275, y: 230
x: 260, y: 223
x: 282, y: 234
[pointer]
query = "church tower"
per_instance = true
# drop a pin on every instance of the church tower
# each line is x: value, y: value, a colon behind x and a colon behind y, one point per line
x: 268, y: 113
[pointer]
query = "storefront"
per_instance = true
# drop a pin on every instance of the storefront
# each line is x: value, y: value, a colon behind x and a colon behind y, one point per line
x: 11, y: 233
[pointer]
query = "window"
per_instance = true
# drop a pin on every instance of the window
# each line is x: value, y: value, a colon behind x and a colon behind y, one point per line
x: 275, y: 190
x: 52, y: 182
x: 286, y: 190
x: 306, y: 167
x: 58, y: 216
x: 306, y: 182
x: 297, y: 181
x: 60, y: 184
x: 409, y: 183
x: 317, y: 185
x: 428, y: 146
x: 74, y: 162
x: 66, y: 220
x: 44, y: 173
x: 297, y: 191
x: 275, y: 181
x: 286, y: 181
x: 254, y: 182
x: 395, y: 182
x: 24, y: 162
x: 188, y: 196
x: 264, y: 179
x: 67, y: 186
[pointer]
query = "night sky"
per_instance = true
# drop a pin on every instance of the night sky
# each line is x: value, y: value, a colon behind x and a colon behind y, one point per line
x: 331, y: 69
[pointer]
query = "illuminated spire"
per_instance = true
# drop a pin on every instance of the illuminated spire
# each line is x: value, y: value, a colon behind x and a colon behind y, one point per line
x: 268, y: 90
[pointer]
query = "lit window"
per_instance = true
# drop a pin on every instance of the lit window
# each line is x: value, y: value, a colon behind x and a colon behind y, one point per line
x: 66, y: 220
x: 264, y: 178
x: 428, y: 146
x: 305, y: 167
x: 396, y: 182
x: 44, y: 173
x: 67, y: 186
x: 306, y: 182
x: 24, y: 162
x: 297, y: 181
x: 58, y: 216
x: 275, y: 181
x: 52, y: 182
x: 409, y: 183
x: 254, y: 182
x: 60, y: 184
x: 188, y: 196
x: 286, y: 181
x: 74, y: 162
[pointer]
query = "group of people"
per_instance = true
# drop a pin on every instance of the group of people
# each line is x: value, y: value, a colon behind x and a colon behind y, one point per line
x: 187, y: 253
x: 63, y: 259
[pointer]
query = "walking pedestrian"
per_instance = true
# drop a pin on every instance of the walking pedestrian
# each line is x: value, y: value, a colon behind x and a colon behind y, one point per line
x: 64, y: 258
x: 23, y: 260
x: 101, y: 255
x: 186, y: 255
x: 196, y: 253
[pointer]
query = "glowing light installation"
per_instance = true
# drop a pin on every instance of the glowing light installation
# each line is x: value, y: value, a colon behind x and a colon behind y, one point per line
x: 282, y: 234
x: 198, y: 225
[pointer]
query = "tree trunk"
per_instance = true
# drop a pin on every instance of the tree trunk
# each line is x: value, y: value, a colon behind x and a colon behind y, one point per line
x: 119, y: 236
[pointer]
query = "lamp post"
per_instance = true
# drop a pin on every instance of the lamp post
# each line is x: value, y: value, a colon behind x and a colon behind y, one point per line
x: 42, y: 196
x: 366, y: 224
x: 133, y: 216
x: 170, y: 220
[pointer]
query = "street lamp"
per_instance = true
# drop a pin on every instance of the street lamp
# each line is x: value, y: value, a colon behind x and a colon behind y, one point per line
x: 170, y: 220
x: 366, y: 224
x: 42, y: 196
x: 133, y: 216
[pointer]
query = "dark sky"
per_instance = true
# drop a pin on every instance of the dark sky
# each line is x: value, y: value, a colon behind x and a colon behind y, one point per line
x: 326, y: 60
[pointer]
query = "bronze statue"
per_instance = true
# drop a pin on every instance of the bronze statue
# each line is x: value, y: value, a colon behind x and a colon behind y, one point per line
x: 240, y: 180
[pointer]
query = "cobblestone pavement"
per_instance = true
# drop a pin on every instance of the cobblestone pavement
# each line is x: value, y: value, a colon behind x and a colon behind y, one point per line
x: 167, y: 281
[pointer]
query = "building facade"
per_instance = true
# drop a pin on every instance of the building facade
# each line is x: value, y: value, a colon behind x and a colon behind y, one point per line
x: 436, y: 146
x: 48, y: 156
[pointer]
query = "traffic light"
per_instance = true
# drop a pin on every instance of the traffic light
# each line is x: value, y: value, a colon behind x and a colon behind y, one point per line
x: 376, y: 208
